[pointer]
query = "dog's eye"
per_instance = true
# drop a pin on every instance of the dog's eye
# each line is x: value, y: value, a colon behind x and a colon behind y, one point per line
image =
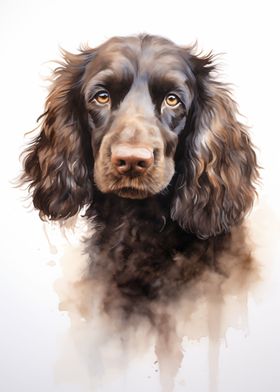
x: 172, y: 100
x: 102, y: 97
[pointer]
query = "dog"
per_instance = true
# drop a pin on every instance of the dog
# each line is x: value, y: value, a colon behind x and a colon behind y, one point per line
x: 141, y: 134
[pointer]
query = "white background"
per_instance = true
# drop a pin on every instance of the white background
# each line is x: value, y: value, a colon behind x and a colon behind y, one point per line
x: 32, y: 330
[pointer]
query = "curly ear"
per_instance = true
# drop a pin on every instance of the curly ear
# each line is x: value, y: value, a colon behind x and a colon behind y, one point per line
x: 217, y: 174
x: 57, y: 163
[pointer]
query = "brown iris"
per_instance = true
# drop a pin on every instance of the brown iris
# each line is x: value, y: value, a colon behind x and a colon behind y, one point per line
x: 102, y: 97
x: 172, y: 100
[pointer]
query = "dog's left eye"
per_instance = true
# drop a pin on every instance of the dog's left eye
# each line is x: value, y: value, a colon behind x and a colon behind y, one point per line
x: 172, y: 100
x: 102, y: 97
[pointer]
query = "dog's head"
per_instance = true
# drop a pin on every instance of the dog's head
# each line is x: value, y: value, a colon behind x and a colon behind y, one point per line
x: 133, y: 116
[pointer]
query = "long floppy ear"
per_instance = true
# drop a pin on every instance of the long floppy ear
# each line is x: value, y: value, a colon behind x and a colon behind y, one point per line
x: 217, y: 170
x: 57, y: 163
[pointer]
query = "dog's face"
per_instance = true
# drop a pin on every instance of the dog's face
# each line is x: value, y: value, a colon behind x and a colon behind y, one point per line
x: 138, y: 95
x: 129, y: 116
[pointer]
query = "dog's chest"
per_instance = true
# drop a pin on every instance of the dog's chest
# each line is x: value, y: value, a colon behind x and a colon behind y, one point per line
x: 145, y: 257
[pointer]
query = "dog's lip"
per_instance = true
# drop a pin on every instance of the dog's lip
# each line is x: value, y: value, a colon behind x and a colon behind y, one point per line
x: 131, y: 192
x: 130, y: 189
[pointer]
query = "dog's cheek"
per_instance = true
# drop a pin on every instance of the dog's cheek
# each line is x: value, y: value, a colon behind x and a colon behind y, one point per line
x: 170, y: 141
x: 164, y: 171
x: 102, y: 165
x: 102, y: 175
x: 169, y: 170
x: 99, y: 177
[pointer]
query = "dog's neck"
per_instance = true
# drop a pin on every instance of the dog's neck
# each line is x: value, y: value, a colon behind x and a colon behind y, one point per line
x: 149, y: 218
x: 141, y: 251
x: 113, y: 210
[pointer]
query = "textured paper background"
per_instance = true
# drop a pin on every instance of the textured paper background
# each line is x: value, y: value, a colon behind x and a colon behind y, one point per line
x: 35, y: 349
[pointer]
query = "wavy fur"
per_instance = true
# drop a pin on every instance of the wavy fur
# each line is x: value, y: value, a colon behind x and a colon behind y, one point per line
x: 159, y: 230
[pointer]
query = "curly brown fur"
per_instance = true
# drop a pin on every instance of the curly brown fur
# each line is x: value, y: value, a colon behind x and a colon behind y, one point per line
x: 163, y: 184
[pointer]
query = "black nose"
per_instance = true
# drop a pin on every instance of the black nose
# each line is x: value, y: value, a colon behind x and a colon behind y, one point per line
x: 132, y: 160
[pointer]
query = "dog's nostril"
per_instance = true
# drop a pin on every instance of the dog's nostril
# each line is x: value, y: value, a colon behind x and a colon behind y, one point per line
x: 142, y: 164
x: 121, y: 162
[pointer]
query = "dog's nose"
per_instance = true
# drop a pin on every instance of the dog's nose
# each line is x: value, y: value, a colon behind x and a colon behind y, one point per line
x: 132, y: 160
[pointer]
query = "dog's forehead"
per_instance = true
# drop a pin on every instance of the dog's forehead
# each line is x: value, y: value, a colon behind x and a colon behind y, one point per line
x: 152, y: 55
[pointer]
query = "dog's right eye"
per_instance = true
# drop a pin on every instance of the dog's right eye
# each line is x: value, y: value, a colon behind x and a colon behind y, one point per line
x: 172, y: 100
x: 102, y: 98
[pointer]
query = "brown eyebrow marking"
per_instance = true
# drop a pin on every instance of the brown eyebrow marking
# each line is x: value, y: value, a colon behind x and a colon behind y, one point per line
x: 160, y: 86
x: 116, y: 83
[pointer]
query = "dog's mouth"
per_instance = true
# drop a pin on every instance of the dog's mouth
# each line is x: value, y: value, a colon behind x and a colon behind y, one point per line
x: 141, y: 187
x: 131, y: 193
x: 135, y: 188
